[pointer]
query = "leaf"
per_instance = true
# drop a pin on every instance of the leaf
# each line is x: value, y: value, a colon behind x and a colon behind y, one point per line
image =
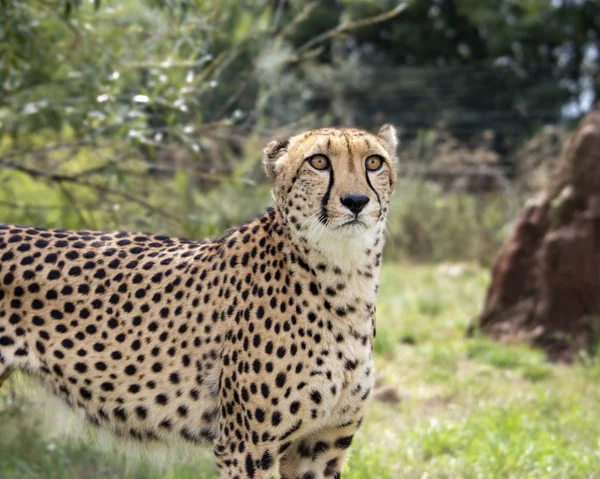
x: 97, y: 4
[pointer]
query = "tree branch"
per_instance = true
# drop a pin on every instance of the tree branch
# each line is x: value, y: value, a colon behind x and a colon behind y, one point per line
x: 77, y: 180
x: 382, y: 17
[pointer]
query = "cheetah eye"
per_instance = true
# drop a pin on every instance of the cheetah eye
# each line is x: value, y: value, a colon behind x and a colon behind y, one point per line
x: 319, y: 162
x: 374, y: 162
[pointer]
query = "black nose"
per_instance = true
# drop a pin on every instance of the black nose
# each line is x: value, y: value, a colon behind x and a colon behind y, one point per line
x: 355, y: 203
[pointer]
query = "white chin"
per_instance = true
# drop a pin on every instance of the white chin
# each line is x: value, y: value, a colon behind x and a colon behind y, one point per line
x: 351, y: 228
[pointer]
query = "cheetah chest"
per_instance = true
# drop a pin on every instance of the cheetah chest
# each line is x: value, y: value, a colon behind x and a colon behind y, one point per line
x: 355, y: 382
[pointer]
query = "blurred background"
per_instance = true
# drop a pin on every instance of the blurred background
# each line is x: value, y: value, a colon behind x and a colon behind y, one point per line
x: 151, y: 115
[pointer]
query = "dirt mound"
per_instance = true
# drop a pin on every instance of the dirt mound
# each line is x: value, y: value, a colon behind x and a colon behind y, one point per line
x: 546, y: 280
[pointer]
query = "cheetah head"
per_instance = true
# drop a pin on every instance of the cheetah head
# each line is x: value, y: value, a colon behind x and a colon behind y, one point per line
x: 333, y: 184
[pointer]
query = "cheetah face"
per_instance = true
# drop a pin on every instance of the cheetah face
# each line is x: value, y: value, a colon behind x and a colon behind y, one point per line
x: 333, y: 182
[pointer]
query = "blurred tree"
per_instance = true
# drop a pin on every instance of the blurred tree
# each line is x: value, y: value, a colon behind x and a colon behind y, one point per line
x: 470, y: 64
x: 97, y: 95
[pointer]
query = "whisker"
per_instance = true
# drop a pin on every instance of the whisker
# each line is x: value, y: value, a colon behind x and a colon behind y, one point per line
x: 307, y: 220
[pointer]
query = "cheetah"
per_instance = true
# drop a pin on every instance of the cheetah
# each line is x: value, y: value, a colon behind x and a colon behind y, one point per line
x: 259, y: 342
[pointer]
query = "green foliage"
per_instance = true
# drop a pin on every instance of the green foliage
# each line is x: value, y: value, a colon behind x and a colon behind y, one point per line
x: 428, y: 223
x: 115, y: 116
x: 471, y: 64
x: 467, y: 64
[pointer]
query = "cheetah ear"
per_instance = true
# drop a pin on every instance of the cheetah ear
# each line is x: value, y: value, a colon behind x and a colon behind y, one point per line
x: 388, y: 135
x: 273, y: 151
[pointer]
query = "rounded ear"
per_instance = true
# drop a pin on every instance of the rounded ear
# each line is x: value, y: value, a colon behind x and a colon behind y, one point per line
x: 272, y: 152
x: 387, y: 134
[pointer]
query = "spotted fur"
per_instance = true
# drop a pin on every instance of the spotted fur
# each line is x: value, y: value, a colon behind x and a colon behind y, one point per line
x: 259, y: 341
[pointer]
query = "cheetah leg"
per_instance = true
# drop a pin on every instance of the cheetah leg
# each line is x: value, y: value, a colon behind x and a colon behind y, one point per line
x: 252, y: 463
x: 320, y: 456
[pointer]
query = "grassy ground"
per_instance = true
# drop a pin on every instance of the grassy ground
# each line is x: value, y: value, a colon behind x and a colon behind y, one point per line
x: 455, y: 407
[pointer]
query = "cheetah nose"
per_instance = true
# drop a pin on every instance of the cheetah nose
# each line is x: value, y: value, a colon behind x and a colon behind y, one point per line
x: 355, y: 203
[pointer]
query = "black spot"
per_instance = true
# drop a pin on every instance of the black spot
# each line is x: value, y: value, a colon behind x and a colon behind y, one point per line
x: 85, y: 394
x: 315, y: 396
x: 276, y: 418
x: 166, y: 424
x: 38, y: 321
x: 120, y: 414
x: 260, y: 415
x: 304, y: 449
x: 54, y: 274
x: 331, y: 469
x: 264, y: 390
x: 100, y: 366
x: 266, y: 461
x: 250, y: 468
x: 343, y: 442
x: 141, y: 412
x: 81, y: 367
x: 83, y: 289
x: 7, y: 341
x: 320, y: 448
x: 37, y: 304
x: 74, y: 271
x: 182, y: 411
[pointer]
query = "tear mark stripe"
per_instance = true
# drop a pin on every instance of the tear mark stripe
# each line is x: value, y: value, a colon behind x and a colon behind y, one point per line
x: 325, y: 200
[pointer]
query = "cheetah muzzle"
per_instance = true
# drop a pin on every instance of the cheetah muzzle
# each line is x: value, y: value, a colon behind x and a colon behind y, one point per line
x: 259, y: 341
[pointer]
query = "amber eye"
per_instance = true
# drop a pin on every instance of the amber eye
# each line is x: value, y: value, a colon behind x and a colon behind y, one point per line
x: 319, y: 162
x: 374, y: 162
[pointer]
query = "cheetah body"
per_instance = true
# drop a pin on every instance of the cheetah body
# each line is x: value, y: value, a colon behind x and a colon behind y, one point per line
x: 259, y: 341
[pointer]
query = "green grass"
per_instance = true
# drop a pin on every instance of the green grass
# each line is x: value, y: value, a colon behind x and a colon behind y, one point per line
x: 467, y: 407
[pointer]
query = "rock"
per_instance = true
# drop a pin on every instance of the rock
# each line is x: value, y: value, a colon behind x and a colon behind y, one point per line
x: 545, y: 285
